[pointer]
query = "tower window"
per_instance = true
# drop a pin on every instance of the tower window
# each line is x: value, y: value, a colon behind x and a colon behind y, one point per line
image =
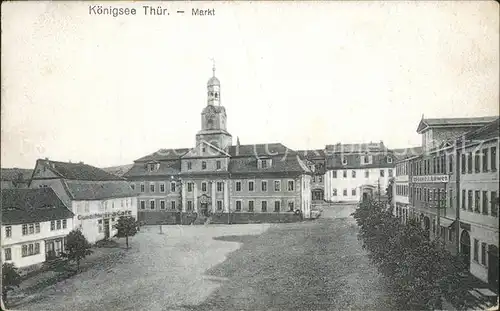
x: 216, y: 95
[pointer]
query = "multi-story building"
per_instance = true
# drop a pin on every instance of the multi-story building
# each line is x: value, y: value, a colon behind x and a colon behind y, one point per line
x: 349, y: 167
x: 216, y: 177
x: 478, y: 190
x: 95, y: 197
x: 34, y: 225
x: 316, y: 161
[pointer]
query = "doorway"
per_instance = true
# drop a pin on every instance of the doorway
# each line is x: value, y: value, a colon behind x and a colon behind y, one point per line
x: 204, y: 209
x: 493, y: 266
x: 465, y: 248
x: 106, y: 229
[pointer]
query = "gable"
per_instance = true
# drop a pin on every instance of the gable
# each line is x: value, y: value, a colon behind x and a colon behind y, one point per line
x: 422, y: 126
x: 43, y: 171
x: 204, y: 149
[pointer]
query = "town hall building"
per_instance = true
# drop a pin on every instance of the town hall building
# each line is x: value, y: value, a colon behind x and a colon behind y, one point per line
x: 220, y: 182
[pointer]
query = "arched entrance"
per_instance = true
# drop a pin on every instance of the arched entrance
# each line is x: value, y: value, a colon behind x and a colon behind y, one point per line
x: 493, y: 266
x: 427, y: 227
x: 318, y: 194
x: 465, y: 248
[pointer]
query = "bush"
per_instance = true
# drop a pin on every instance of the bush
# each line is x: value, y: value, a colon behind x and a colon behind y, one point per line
x: 419, y: 272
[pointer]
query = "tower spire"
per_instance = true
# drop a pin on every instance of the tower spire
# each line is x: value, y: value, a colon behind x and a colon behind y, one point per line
x: 213, y: 66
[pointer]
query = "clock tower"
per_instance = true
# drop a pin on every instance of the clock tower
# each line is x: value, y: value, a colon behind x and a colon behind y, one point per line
x: 213, y: 117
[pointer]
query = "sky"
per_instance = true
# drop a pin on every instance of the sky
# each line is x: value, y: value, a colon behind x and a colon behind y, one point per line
x: 108, y: 90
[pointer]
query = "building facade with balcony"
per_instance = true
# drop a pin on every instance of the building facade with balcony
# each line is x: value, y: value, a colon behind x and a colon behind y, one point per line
x: 96, y: 198
x: 35, y: 223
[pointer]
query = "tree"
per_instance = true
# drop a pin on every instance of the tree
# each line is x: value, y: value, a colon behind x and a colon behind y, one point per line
x: 388, y: 191
x: 10, y: 279
x: 77, y: 247
x: 419, y: 272
x: 126, y: 226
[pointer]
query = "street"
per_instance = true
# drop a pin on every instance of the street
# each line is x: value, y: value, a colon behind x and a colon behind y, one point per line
x: 314, y: 265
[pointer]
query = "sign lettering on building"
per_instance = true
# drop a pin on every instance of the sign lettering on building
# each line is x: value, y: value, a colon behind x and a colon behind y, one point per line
x: 105, y: 215
x: 430, y: 179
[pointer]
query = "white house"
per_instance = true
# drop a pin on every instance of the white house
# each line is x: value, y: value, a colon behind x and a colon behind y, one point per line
x: 96, y: 197
x: 34, y: 225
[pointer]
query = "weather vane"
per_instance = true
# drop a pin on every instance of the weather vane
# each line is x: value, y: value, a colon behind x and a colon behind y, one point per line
x: 213, y: 65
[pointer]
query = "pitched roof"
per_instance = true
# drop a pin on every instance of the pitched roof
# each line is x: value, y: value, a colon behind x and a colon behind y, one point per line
x: 21, y: 206
x: 118, y: 170
x: 167, y: 167
x: 290, y: 163
x: 13, y: 174
x: 91, y: 190
x: 260, y: 150
x: 78, y: 171
x: 355, y: 148
x: 164, y: 154
x: 432, y: 122
x: 488, y: 131
x: 310, y: 154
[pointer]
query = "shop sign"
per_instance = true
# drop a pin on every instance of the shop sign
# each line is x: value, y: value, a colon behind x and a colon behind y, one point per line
x: 430, y: 179
x: 105, y: 215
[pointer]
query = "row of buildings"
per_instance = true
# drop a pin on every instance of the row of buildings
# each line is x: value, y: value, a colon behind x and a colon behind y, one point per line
x: 58, y: 197
x: 451, y: 185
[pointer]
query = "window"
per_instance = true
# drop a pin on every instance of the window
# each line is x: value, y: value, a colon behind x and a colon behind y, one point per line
x: 290, y: 185
x: 451, y: 198
x: 390, y: 172
x: 334, y: 174
x: 238, y: 206
x: 463, y: 200
x: 172, y: 186
x: 251, y: 184
x: 219, y: 186
x: 264, y: 206
x: 485, y: 160
x: 483, y: 254
x: 8, y: 254
x: 345, y: 192
x: 189, y: 165
x: 25, y: 229
x: 152, y: 204
x: 450, y: 164
x: 142, y: 188
x: 218, y: 165
x: 464, y: 161
x: 172, y: 205
x: 334, y: 192
x: 493, y: 157
x: 485, y: 202
x: 469, y: 163
x: 382, y: 173
x: 264, y: 186
x: 477, y: 163
x: 143, y: 205
x: 353, y: 191
x: 290, y: 206
x: 190, y: 186
x: 32, y: 228
x: 24, y: 251
x: 219, y: 205
x: 203, y: 165
x: 345, y: 174
x: 263, y: 163
x: 37, y: 248
x: 320, y: 178
x: 477, y: 201
x: 469, y: 205
x: 277, y: 206
x: 162, y: 187
x: 277, y: 185
x: 450, y: 235
x: 238, y: 186
x: 344, y: 161
x: 365, y: 159
x: 389, y: 160
x: 162, y: 204
x: 204, y: 186
x: 189, y: 205
x: 152, y: 187
x: 250, y: 206
x: 476, y: 250
x: 64, y: 223
x: 8, y: 231
x: 367, y: 174
x: 493, y: 202
x: 353, y: 174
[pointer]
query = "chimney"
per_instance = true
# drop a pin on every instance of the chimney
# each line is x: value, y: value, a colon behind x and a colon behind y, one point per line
x: 81, y: 162
x: 46, y: 159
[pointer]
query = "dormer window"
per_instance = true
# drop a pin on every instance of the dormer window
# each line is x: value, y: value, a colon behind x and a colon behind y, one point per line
x: 265, y: 163
x: 216, y: 95
x: 153, y: 167
x: 203, y: 165
x: 389, y: 160
x: 189, y: 165
x: 344, y: 161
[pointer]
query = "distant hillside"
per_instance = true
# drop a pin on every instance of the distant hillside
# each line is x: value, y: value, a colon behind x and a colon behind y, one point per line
x: 14, y: 173
x: 118, y: 170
